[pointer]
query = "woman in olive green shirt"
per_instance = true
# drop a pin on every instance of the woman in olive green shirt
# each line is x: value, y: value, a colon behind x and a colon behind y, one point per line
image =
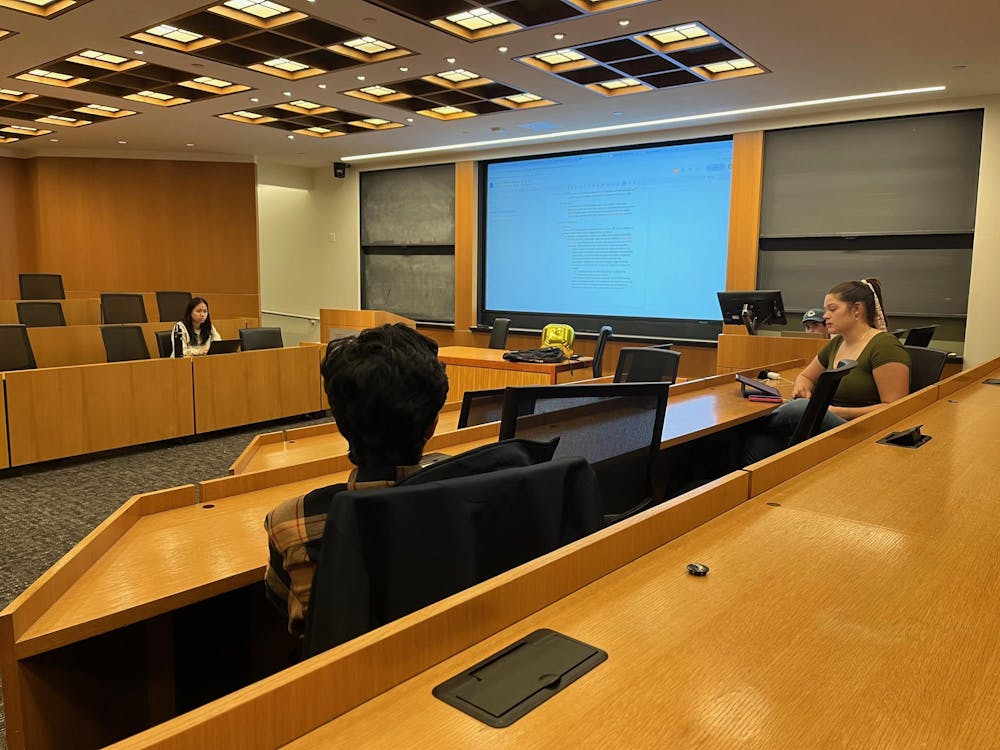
x: 854, y: 315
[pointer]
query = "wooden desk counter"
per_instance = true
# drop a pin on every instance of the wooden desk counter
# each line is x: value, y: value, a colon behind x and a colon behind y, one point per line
x: 255, y: 386
x: 851, y: 607
x: 289, y: 447
x: 62, y: 346
x: 471, y: 369
x: 67, y: 411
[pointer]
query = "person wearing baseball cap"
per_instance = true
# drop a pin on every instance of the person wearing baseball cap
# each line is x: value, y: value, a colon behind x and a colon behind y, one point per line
x: 813, y: 322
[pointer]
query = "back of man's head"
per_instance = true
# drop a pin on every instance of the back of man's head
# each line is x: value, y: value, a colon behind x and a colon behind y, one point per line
x: 385, y: 387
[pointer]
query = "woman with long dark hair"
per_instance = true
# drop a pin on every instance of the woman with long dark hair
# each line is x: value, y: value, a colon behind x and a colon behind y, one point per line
x: 855, y: 316
x: 195, y: 331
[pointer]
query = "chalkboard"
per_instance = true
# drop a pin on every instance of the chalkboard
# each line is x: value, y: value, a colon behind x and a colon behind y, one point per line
x: 904, y: 175
x: 413, y: 206
x: 416, y: 286
x: 931, y: 282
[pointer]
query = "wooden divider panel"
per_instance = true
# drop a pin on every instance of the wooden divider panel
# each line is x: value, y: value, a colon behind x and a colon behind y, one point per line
x: 68, y: 411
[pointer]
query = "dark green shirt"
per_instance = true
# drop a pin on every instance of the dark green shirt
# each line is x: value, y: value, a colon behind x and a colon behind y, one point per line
x: 858, y: 388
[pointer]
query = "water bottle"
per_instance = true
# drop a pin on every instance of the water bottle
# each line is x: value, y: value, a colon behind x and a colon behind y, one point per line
x: 178, y: 343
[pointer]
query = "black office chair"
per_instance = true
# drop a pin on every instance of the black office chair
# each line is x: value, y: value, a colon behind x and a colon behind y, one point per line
x: 481, y: 407
x: 819, y: 402
x: 15, y: 349
x: 122, y: 308
x: 920, y: 336
x: 647, y: 365
x: 171, y: 305
x: 165, y: 343
x: 602, y: 341
x: 616, y: 426
x: 926, y: 366
x: 41, y: 286
x: 40, y: 314
x: 899, y: 332
x: 260, y: 338
x: 124, y: 343
x: 389, y: 552
x: 498, y: 336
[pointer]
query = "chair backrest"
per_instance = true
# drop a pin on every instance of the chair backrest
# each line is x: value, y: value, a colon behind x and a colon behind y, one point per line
x: 40, y: 314
x: 122, y: 308
x: 171, y: 305
x: 388, y: 552
x: 617, y: 427
x: 926, y: 366
x: 498, y: 336
x: 124, y: 343
x: 920, y: 336
x: 602, y: 341
x: 15, y: 349
x: 165, y: 343
x: 260, y: 338
x: 647, y: 365
x: 41, y: 286
x: 819, y: 402
x: 480, y: 407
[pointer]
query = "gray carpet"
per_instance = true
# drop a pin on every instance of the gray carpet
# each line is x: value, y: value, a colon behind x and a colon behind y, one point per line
x: 46, y: 509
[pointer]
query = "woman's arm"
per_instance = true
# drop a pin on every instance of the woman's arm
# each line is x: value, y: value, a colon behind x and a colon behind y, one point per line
x: 806, y: 380
x: 893, y: 382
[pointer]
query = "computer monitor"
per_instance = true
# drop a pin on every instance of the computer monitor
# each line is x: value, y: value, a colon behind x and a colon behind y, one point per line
x: 920, y: 336
x: 617, y: 427
x: 752, y: 308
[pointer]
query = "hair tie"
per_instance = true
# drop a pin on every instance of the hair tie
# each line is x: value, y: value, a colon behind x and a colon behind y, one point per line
x: 879, y: 315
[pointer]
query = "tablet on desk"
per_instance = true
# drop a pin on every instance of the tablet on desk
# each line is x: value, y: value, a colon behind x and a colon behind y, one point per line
x: 752, y: 387
x: 224, y: 346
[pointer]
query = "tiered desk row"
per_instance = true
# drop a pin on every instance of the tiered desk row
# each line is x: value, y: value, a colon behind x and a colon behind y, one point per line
x: 77, y: 403
x: 849, y: 602
x: 107, y: 638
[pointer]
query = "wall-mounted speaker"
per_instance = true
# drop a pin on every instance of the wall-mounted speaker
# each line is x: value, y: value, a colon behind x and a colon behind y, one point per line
x: 339, y: 170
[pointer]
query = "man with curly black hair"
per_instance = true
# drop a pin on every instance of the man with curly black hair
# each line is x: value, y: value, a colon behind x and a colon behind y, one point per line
x: 385, y: 387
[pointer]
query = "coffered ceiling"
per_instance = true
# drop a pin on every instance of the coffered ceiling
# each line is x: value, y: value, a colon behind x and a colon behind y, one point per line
x: 311, y: 82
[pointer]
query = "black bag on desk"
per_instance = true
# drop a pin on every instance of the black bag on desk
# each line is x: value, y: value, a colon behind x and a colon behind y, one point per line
x: 550, y: 354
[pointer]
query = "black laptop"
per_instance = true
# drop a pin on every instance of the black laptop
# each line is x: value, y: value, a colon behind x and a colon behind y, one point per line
x: 224, y: 346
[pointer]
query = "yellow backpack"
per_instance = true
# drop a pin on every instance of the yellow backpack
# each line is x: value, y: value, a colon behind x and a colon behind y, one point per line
x: 559, y: 334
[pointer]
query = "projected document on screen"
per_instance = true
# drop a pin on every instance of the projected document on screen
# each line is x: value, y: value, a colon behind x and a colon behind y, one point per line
x: 631, y: 233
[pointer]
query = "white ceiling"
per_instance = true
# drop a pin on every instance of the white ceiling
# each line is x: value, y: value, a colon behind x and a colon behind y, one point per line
x: 813, y: 49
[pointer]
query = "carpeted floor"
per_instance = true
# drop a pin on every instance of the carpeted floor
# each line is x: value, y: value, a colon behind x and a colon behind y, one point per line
x: 46, y: 509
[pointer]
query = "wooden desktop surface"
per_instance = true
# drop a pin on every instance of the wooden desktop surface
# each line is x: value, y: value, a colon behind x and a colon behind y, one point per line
x: 295, y: 446
x: 851, y: 606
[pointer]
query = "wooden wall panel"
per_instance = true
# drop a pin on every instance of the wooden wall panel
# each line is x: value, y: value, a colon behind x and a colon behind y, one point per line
x: 143, y: 225
x: 465, y: 249
x: 17, y: 225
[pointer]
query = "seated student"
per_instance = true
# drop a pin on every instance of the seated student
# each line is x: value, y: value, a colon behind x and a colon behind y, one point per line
x: 196, y: 330
x: 385, y: 389
x: 853, y: 312
x: 813, y: 322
